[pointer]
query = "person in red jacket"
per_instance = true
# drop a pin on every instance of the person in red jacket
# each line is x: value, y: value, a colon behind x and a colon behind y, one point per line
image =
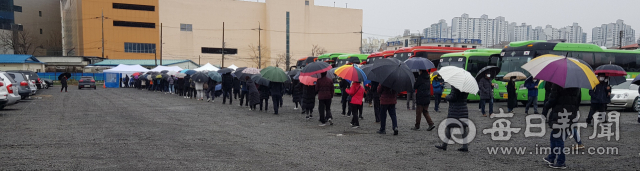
x: 356, y: 91
x: 325, y: 89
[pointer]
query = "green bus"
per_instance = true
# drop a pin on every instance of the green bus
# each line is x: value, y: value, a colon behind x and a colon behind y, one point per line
x: 471, y: 60
x: 517, y: 54
x: 329, y: 57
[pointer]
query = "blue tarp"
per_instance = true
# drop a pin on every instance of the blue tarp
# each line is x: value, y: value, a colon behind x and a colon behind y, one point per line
x: 112, y: 80
x: 74, y: 76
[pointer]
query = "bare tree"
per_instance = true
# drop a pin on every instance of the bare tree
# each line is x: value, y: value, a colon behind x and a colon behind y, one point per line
x: 255, y: 55
x: 281, y: 60
x: 20, y: 41
x: 54, y: 44
x: 317, y: 50
x: 370, y: 45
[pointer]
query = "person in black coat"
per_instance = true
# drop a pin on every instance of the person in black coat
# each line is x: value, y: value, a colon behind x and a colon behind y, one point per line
x: 265, y: 92
x: 422, y: 87
x: 236, y: 87
x: 308, y: 99
x: 63, y: 81
x: 600, y: 97
x: 344, y: 84
x: 457, y: 111
x: 187, y: 86
x: 561, y: 99
x: 512, y: 97
x: 180, y: 86
x: 126, y: 81
x: 277, y: 90
x: 486, y: 94
x: 376, y: 100
x: 296, y: 93
x: 211, y: 90
x: 227, y: 85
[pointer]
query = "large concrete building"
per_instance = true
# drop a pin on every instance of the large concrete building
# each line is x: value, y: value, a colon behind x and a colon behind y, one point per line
x: 608, y: 35
x: 490, y: 31
x: 30, y: 27
x: 134, y: 29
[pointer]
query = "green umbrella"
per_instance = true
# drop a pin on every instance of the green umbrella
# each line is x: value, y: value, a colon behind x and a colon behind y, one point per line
x: 274, y: 74
x: 215, y: 76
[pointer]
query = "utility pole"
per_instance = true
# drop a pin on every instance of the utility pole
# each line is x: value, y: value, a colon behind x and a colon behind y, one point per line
x: 102, y: 17
x: 198, y: 59
x: 621, y: 35
x: 160, y: 44
x: 155, y: 56
x: 360, y: 38
x: 222, y: 45
x: 259, y: 46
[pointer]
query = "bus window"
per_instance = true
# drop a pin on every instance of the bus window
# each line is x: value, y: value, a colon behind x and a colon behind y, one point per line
x: 629, y: 62
x: 429, y: 55
x: 603, y: 58
x: 585, y: 56
x: 476, y: 63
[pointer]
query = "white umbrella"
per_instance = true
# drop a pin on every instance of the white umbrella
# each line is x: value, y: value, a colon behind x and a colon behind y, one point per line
x: 459, y: 78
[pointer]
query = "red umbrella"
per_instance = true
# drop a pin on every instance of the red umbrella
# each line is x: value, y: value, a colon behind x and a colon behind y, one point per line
x: 308, y: 80
x: 136, y: 74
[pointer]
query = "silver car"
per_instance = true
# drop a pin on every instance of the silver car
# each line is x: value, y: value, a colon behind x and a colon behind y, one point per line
x: 624, y: 95
x: 8, y: 91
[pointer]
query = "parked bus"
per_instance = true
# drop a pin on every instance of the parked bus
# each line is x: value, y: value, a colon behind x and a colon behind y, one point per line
x: 471, y: 60
x: 329, y: 57
x: 302, y: 62
x: 350, y: 58
x: 432, y: 53
x: 517, y: 54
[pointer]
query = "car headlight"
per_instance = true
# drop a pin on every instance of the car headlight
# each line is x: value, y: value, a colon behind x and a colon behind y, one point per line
x: 625, y: 95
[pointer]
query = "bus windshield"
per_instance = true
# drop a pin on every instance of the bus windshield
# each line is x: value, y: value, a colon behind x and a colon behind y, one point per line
x: 453, y: 61
x: 402, y: 56
x: 371, y: 60
x: 511, y: 64
x: 341, y: 62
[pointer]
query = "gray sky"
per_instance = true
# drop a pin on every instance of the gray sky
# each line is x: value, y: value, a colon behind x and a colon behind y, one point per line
x: 391, y: 17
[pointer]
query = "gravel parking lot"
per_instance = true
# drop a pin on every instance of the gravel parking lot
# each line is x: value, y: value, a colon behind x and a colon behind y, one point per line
x: 128, y: 129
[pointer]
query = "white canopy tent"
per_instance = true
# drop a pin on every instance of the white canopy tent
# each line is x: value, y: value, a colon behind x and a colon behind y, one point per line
x: 168, y: 68
x: 207, y: 67
x: 126, y: 69
x: 234, y: 67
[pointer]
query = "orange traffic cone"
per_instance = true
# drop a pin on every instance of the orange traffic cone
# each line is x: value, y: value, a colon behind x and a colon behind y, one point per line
x: 104, y: 86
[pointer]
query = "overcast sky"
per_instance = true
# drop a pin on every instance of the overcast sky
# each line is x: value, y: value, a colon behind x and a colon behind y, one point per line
x: 391, y: 17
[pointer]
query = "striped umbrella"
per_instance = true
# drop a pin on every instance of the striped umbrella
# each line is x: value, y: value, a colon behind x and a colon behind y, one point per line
x: 351, y: 73
x: 564, y: 71
x: 611, y: 70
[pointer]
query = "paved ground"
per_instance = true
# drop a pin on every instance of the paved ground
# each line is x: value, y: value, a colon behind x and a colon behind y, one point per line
x: 127, y: 129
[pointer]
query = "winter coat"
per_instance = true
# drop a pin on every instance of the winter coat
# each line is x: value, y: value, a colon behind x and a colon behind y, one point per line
x: 297, y: 91
x: 423, y: 89
x: 236, y: 85
x: 199, y: 86
x: 227, y: 82
x: 512, y: 97
x: 325, y: 88
x: 308, y: 96
x: 276, y: 88
x: 254, y: 94
x: 561, y: 99
x: 187, y: 84
x: 457, y: 104
x: 438, y: 88
x: 486, y: 90
x: 374, y: 89
x: 243, y: 84
x: 171, y: 80
x: 212, y: 85
x: 265, y: 92
x: 63, y: 81
x: 387, y: 96
x: 531, y: 87
x: 180, y: 83
x: 126, y: 79
x: 356, y: 91
x: 600, y: 94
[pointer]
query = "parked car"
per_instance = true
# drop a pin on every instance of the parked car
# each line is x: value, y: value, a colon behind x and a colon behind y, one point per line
x: 23, y: 84
x: 48, y: 82
x: 33, y: 76
x: 8, y: 96
x: 624, y: 95
x: 86, y: 82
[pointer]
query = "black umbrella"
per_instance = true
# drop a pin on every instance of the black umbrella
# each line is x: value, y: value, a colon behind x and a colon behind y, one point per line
x: 493, y: 70
x: 392, y: 73
x: 68, y: 75
x: 239, y: 73
x: 164, y: 71
x: 315, y: 68
x: 258, y: 79
x: 225, y: 70
x: 611, y: 70
x: 165, y: 75
x: 420, y: 64
x: 200, y: 77
x: 617, y: 80
x: 293, y: 72
x: 636, y: 80
x: 367, y: 71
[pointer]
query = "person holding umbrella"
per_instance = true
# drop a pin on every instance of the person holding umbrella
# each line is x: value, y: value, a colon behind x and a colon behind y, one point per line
x: 325, y: 89
x: 356, y: 91
x: 227, y: 85
x: 438, y: 88
x: 457, y: 110
x: 211, y: 90
x: 600, y: 97
x: 344, y: 85
x: 276, y: 90
x: 308, y: 99
x: 512, y: 97
x: 63, y: 81
x: 486, y: 93
x: 236, y: 87
x: 126, y: 81
x: 199, y: 87
x: 265, y: 92
x: 422, y: 88
x: 388, y: 102
x: 296, y: 93
x: 532, y: 86
x: 253, y: 96
x: 376, y: 100
x: 171, y: 81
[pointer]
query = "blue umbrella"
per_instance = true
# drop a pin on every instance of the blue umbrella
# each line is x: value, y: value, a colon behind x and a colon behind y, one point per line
x: 191, y: 72
x: 184, y: 71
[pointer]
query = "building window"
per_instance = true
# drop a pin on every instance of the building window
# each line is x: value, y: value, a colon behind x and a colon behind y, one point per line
x: 134, y: 24
x: 17, y: 8
x: 306, y: 2
x: 40, y: 13
x: 474, y: 47
x: 464, y: 46
x: 447, y: 45
x: 134, y: 7
x: 40, y: 31
x: 186, y: 27
x: 139, y: 47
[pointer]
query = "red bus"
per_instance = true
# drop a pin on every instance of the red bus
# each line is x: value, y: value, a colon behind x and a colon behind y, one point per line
x: 432, y: 53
